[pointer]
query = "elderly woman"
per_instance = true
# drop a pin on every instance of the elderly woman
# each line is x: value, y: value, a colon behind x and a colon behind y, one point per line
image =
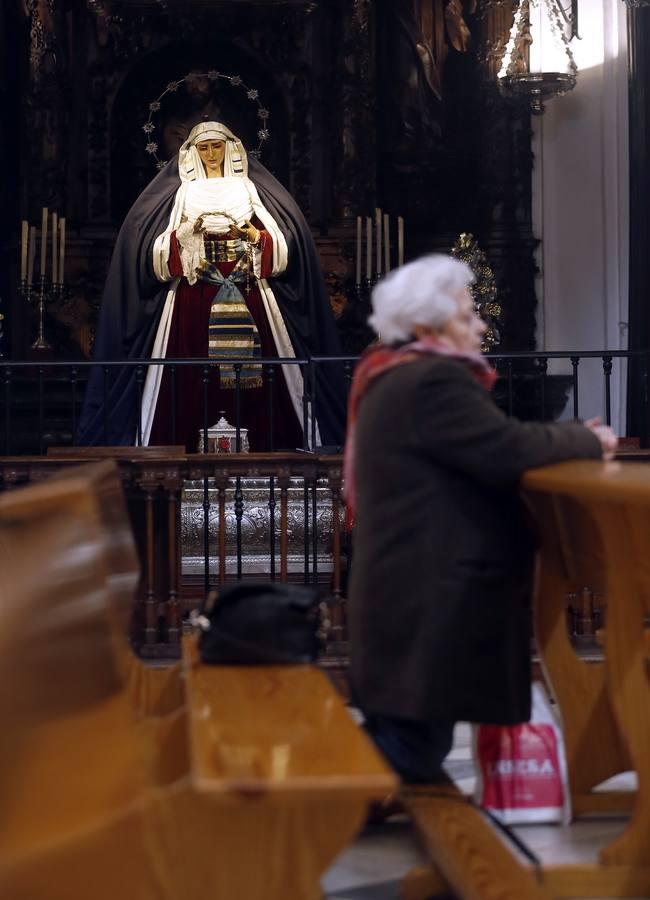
x: 214, y: 260
x: 438, y: 599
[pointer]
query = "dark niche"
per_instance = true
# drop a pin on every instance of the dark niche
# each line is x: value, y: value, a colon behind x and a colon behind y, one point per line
x: 197, y: 98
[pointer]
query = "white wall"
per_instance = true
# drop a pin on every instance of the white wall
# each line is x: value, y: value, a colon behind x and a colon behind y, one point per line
x: 580, y: 208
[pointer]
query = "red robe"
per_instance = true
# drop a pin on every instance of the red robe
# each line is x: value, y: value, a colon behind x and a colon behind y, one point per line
x: 180, y: 408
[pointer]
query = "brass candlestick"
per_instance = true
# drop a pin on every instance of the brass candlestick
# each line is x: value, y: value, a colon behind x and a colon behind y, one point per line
x: 39, y: 295
x: 41, y: 342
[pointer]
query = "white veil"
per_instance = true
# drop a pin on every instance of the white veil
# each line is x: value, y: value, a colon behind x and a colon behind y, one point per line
x: 190, y: 167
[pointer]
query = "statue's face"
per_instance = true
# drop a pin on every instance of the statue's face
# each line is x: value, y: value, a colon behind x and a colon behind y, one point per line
x: 212, y: 154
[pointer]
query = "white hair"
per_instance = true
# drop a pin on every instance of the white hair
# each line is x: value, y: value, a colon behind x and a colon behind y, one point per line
x: 423, y: 292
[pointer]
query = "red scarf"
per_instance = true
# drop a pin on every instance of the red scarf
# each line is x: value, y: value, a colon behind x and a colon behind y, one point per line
x: 379, y: 359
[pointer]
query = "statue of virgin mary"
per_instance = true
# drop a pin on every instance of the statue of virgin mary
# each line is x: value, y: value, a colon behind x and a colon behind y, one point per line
x: 214, y: 260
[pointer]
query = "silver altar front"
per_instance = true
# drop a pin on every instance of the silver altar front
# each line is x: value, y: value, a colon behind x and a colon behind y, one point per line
x: 255, y: 527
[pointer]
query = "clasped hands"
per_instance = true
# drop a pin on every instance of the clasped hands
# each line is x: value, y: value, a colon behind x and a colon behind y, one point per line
x: 248, y: 231
x: 606, y: 436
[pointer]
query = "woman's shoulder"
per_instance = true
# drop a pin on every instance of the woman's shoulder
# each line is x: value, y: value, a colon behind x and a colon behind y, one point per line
x: 434, y: 367
x: 409, y: 378
x: 428, y: 376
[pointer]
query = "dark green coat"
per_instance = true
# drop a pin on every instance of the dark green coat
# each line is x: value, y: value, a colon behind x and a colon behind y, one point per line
x: 440, y: 584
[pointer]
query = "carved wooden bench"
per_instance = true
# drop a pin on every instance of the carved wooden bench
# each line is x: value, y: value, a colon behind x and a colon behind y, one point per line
x: 77, y: 801
x: 594, y: 524
x: 282, y: 768
x: 467, y: 855
x: 118, y: 779
x: 594, y: 520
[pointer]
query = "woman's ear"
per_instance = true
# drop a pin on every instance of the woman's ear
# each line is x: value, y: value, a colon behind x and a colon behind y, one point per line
x: 422, y: 331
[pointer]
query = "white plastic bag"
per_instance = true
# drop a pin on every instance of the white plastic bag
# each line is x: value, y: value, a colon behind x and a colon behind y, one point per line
x: 521, y: 769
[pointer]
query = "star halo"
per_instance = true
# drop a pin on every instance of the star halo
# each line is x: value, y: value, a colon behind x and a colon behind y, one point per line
x: 252, y: 95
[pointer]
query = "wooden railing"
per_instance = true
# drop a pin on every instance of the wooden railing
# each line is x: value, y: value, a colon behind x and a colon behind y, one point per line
x: 153, y: 480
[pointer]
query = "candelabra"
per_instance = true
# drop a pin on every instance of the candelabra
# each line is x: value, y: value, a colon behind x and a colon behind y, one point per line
x: 39, y: 295
x: 359, y: 294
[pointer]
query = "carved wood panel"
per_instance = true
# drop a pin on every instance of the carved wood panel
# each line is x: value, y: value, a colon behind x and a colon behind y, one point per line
x: 346, y: 134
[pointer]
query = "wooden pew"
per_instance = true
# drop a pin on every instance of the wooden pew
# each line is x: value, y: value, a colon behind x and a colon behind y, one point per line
x: 155, y: 516
x: 594, y: 521
x: 466, y: 853
x: 281, y: 770
x: 105, y: 787
x: 75, y: 797
x: 154, y: 692
x: 594, y: 528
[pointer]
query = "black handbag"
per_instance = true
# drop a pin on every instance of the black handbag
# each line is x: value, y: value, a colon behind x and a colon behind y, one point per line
x: 257, y: 623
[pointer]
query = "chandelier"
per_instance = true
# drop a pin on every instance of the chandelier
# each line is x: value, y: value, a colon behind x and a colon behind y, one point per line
x: 538, y: 62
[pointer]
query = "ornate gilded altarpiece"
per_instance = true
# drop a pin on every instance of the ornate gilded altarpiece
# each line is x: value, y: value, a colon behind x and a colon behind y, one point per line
x: 389, y: 103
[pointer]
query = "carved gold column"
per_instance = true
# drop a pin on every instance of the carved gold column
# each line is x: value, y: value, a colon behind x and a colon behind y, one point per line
x: 355, y: 172
x: 495, y: 17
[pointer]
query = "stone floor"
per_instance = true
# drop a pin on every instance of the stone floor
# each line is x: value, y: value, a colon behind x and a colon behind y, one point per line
x: 372, y: 868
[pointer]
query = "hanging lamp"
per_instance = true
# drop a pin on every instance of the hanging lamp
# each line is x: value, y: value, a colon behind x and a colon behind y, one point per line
x: 538, y: 62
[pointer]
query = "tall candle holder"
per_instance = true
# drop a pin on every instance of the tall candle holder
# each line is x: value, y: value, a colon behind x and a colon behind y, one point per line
x: 358, y: 293
x: 41, y: 343
x: 39, y: 295
x: 356, y: 334
x: 25, y: 290
x: 60, y: 294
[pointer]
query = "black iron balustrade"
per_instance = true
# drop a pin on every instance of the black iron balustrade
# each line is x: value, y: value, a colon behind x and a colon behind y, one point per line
x: 40, y: 401
x: 297, y: 497
x: 531, y: 365
x: 34, y: 415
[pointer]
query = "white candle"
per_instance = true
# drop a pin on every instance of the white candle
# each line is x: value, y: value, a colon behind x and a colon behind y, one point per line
x: 55, y: 256
x: 368, y: 248
x: 400, y: 241
x: 43, y: 241
x: 378, y: 227
x: 24, y: 238
x: 386, y: 243
x: 61, y: 249
x: 357, y: 271
x: 32, y: 250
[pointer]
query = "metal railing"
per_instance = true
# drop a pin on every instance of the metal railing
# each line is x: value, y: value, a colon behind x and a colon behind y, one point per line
x: 506, y: 365
x: 40, y: 402
x: 295, y: 516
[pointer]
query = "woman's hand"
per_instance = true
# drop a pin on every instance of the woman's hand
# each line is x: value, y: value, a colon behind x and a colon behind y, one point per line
x: 250, y: 232
x: 606, y: 436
